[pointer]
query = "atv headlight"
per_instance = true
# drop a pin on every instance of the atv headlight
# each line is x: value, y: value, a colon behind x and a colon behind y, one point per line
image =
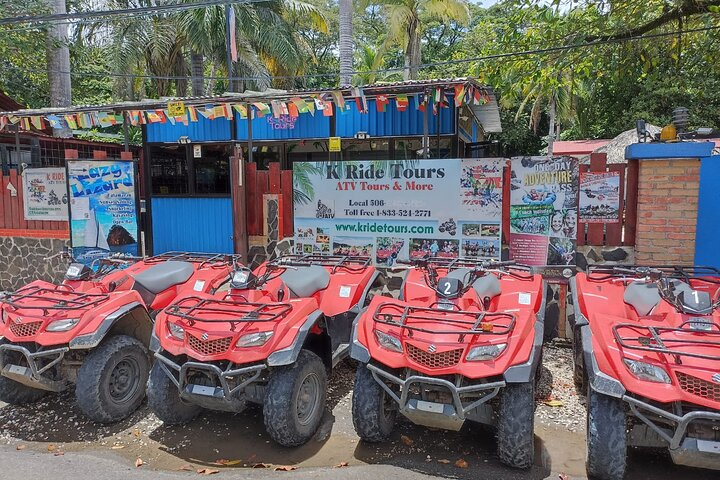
x: 176, y: 331
x: 485, y: 352
x: 3, y: 316
x: 647, y: 371
x: 256, y: 339
x: 388, y: 341
x: 62, y: 325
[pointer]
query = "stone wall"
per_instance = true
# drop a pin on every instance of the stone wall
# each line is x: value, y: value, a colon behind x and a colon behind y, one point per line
x: 23, y: 260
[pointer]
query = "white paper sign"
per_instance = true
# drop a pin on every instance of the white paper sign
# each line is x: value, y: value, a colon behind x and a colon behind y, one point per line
x: 45, y: 194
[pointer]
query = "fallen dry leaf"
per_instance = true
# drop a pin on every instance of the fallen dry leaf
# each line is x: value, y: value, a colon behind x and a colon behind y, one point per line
x: 117, y: 447
x: 208, y: 471
x: 554, y: 403
x: 51, y: 448
x: 136, y: 432
x: 138, y: 462
x: 59, y: 454
x: 187, y: 467
x: 341, y: 464
x: 285, y: 468
x: 261, y: 465
x: 444, y: 461
x: 461, y: 463
x: 406, y: 440
x: 21, y: 447
x: 563, y: 476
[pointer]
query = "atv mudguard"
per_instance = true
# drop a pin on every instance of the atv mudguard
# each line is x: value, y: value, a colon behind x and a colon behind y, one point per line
x: 526, y: 372
x: 289, y: 355
x: 598, y: 381
x: 131, y: 319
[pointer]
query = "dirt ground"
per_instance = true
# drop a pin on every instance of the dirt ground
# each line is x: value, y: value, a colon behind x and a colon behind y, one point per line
x: 228, y: 442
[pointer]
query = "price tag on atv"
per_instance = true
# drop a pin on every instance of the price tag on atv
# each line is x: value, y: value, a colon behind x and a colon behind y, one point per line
x: 73, y: 271
x: 524, y: 298
x: 708, y: 446
x: 199, y: 285
x: 18, y: 370
x: 431, y: 407
x: 202, y: 390
x: 345, y: 291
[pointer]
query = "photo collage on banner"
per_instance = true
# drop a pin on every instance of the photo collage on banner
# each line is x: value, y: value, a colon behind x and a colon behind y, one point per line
x: 45, y: 194
x: 103, y: 209
x: 395, y: 210
x: 600, y: 197
x: 544, y: 210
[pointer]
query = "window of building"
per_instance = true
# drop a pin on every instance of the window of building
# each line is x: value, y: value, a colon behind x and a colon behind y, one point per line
x: 169, y: 171
x: 212, y: 170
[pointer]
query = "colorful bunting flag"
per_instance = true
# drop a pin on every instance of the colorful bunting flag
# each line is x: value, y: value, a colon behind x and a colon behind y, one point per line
x: 241, y: 110
x: 381, y: 101
x: 459, y: 95
x: 360, y: 99
x: 3, y: 122
x: 339, y: 99
x: 310, y: 106
x: 37, y: 122
x: 402, y: 103
x: 25, y: 123
x: 192, y: 113
x: 71, y: 121
x: 293, y: 110
x: 263, y: 109
x: 328, y: 110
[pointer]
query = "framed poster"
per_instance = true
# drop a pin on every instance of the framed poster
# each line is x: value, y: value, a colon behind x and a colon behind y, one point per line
x: 103, y: 208
x: 544, y: 210
x: 600, y: 197
x: 394, y: 210
x: 45, y: 194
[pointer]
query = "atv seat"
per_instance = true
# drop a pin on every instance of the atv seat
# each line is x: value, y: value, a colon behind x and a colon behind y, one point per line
x: 642, y: 297
x: 306, y: 281
x: 164, y: 275
x: 485, y: 286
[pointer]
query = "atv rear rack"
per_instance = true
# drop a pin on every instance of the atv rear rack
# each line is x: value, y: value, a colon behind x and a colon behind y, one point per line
x: 46, y: 299
x: 196, y: 309
x: 664, y: 340
x: 482, y: 323
x: 516, y: 269
x: 598, y: 273
x: 352, y: 263
x: 193, y: 257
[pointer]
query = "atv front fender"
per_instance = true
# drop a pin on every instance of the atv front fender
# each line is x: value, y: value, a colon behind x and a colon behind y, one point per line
x: 357, y: 350
x: 287, y: 356
x: 526, y: 372
x: 92, y: 340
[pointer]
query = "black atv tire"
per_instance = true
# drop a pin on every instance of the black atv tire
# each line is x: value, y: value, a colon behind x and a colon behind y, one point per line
x: 283, y: 421
x: 606, y: 437
x: 579, y: 377
x: 515, y: 425
x: 111, y: 381
x: 15, y: 393
x: 372, y: 420
x: 164, y: 399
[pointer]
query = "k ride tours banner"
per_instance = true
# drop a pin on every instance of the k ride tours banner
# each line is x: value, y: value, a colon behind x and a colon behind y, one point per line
x: 44, y: 194
x: 398, y: 210
x: 600, y: 197
x: 544, y: 210
x: 103, y: 209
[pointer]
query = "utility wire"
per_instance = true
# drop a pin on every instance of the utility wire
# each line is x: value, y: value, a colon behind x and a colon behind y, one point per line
x: 423, y: 66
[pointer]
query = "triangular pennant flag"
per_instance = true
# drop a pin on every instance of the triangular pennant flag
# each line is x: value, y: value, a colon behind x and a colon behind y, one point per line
x: 192, y: 113
x: 402, y: 103
x: 310, y: 106
x: 293, y: 110
x: 241, y: 110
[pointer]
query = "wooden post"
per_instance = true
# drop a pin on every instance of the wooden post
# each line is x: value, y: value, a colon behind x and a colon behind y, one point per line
x: 239, y: 204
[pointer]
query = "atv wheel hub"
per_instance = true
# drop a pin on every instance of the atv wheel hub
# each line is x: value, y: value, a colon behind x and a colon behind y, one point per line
x: 123, y: 380
x: 308, y: 399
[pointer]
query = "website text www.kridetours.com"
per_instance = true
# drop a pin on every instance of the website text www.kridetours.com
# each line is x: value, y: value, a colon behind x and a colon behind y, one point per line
x: 359, y: 227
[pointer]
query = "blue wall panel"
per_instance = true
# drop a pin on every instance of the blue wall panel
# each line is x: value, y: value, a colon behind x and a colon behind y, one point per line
x: 192, y: 224
x: 203, y: 130
x: 307, y: 126
x: 706, y: 238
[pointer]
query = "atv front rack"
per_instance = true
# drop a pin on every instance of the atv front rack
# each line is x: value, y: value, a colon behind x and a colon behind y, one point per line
x: 448, y: 263
x: 194, y: 257
x: 671, y: 341
x: 196, y: 309
x: 352, y: 263
x: 477, y: 323
x: 61, y: 297
x: 598, y: 273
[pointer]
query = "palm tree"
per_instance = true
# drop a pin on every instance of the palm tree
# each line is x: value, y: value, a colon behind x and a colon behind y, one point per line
x: 404, y: 24
x: 369, y: 60
x: 346, y: 42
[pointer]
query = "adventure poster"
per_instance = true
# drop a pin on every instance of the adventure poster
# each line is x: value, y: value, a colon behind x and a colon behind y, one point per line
x: 44, y: 194
x: 103, y: 209
x: 397, y: 210
x: 543, y: 210
x: 600, y: 197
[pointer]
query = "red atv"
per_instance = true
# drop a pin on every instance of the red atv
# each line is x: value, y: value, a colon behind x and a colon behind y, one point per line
x: 647, y: 344
x: 464, y: 342
x: 94, y: 328
x: 271, y: 340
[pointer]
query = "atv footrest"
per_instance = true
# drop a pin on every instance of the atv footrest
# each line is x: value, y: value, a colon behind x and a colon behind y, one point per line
x: 219, y: 397
x: 34, y: 374
x: 430, y: 414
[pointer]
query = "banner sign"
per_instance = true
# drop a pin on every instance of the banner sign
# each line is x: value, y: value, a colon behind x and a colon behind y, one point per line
x: 600, y: 197
x: 394, y: 210
x: 103, y: 209
x: 45, y: 194
x: 543, y: 210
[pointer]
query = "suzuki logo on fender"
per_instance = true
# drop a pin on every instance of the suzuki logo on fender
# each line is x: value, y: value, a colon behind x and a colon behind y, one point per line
x: 18, y: 320
x: 204, y: 336
x: 432, y: 349
x: 716, y: 378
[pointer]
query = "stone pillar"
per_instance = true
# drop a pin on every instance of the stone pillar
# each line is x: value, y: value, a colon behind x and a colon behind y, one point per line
x: 667, y: 211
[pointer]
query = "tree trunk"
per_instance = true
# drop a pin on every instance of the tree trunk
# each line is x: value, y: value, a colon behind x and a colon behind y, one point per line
x: 197, y: 69
x: 551, y: 133
x: 58, y: 60
x: 346, y: 42
x: 412, y: 51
